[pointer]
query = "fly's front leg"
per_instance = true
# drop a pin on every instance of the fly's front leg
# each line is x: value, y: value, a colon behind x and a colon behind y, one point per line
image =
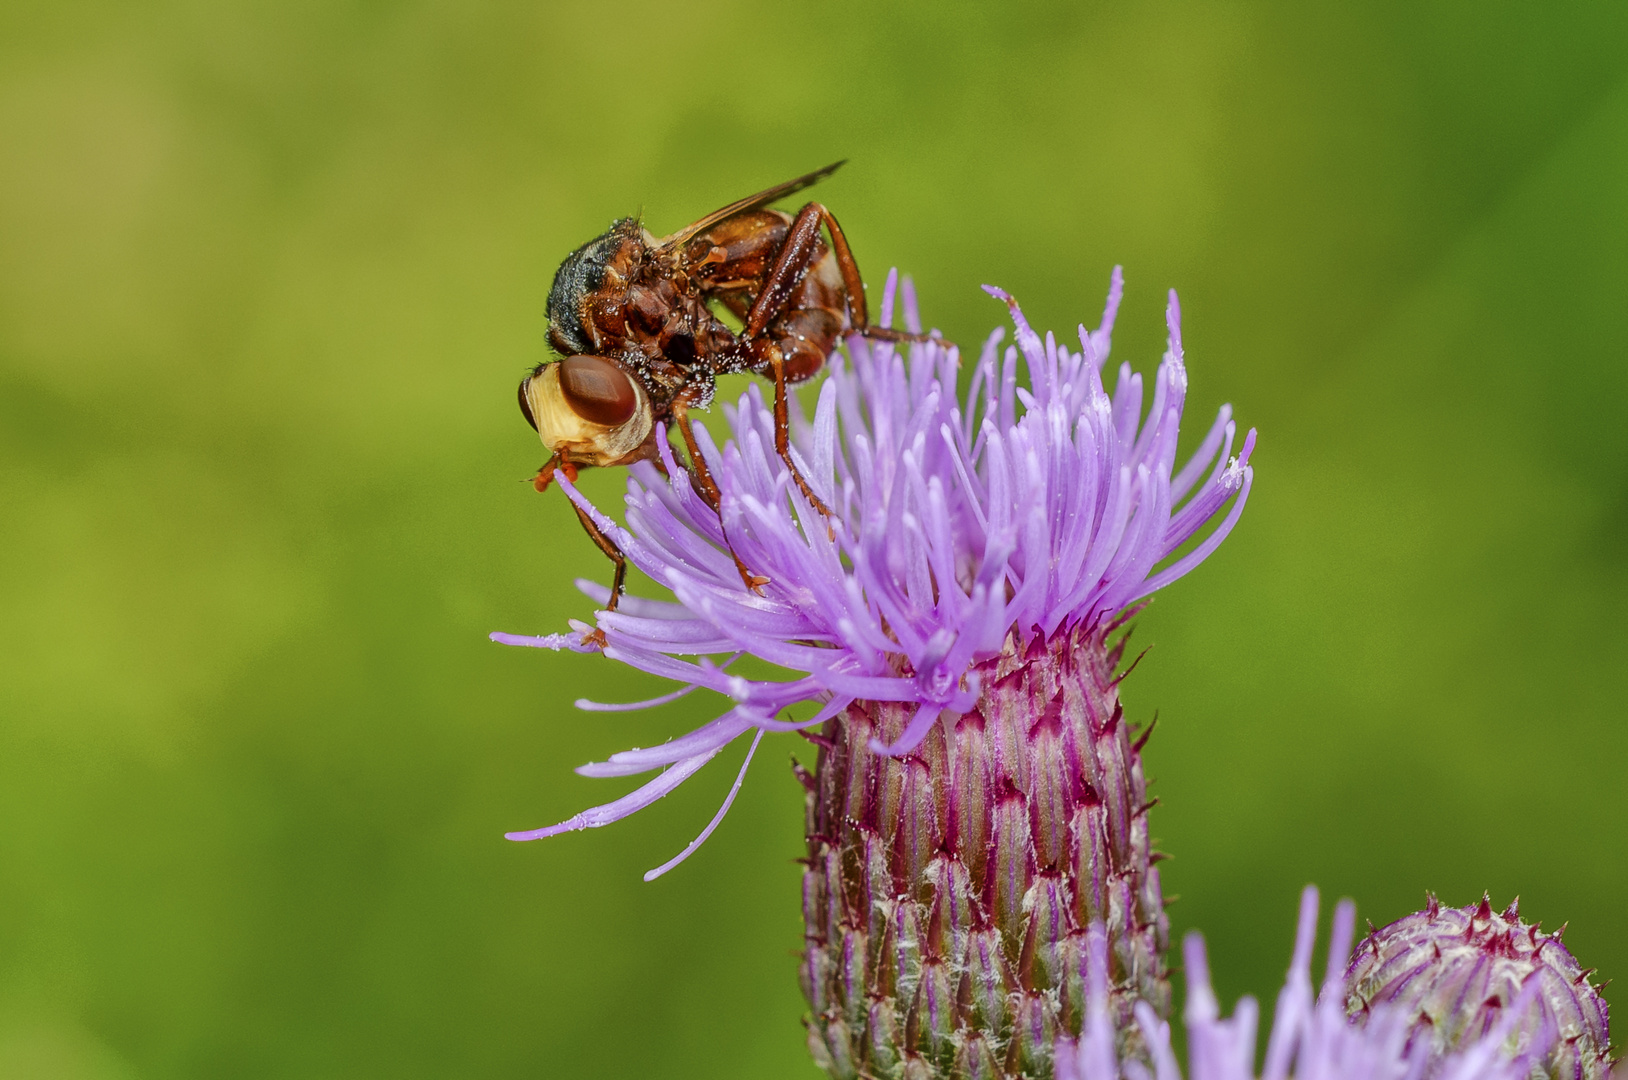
x: 707, y: 487
x: 545, y: 476
x: 618, y: 578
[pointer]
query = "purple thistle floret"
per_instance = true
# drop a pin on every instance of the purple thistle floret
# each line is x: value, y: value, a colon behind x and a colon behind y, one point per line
x: 1311, y: 1038
x: 960, y: 522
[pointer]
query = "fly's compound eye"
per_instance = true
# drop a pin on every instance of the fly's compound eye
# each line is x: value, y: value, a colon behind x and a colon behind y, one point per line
x: 597, y: 390
x: 525, y: 403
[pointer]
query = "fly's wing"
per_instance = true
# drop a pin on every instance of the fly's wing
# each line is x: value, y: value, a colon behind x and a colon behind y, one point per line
x: 751, y: 202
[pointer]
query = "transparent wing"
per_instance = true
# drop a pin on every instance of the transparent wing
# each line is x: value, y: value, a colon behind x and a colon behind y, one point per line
x: 751, y: 202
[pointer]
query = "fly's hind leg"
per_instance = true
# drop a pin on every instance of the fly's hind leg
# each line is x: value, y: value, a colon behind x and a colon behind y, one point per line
x: 884, y: 333
x: 782, y: 439
x: 707, y: 488
x: 801, y: 304
x: 853, y: 284
x: 797, y: 261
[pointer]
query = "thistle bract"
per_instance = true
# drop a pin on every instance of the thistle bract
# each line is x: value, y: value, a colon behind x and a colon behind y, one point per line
x: 1457, y: 973
x: 948, y: 888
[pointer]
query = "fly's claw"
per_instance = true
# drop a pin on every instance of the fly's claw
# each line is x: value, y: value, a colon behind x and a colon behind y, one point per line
x: 545, y: 475
x: 752, y: 581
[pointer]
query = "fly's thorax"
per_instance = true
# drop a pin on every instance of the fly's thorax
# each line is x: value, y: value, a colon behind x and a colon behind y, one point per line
x: 590, y: 288
x: 588, y: 410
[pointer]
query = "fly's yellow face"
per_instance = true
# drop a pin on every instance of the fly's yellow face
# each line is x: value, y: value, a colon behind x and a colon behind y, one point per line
x: 587, y: 410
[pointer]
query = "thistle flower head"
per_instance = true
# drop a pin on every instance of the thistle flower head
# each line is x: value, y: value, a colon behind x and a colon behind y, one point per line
x: 1034, y: 505
x: 1455, y: 974
x: 1311, y: 1037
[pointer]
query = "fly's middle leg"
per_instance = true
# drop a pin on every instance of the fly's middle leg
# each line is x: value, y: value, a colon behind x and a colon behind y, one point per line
x: 707, y: 488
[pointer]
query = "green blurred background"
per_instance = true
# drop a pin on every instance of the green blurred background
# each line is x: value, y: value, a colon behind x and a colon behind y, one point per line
x: 269, y: 273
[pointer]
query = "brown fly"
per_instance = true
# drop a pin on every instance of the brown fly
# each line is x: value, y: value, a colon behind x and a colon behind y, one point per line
x: 635, y: 320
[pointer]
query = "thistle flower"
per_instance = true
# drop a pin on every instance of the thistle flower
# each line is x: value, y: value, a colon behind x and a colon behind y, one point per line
x: 1453, y: 973
x: 978, y: 799
x: 1311, y: 1038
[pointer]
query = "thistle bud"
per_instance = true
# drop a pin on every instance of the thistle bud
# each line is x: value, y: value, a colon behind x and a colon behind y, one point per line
x: 1457, y: 971
x: 1311, y: 1038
